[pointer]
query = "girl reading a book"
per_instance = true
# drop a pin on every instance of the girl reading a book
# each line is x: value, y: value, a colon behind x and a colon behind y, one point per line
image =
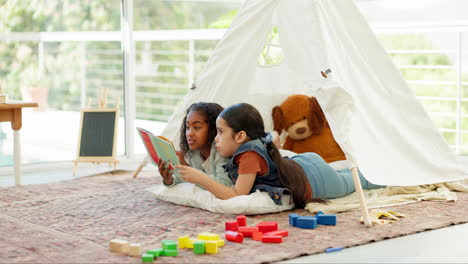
x: 197, y: 146
x: 256, y: 164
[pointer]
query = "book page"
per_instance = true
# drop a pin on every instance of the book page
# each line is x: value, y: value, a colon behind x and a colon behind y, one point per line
x: 166, y: 152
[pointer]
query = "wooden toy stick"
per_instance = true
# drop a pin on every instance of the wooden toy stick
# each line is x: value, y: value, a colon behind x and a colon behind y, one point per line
x: 362, y: 199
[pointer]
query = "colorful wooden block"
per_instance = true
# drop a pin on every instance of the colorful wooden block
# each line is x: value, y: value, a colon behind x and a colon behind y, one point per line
x: 241, y: 220
x: 208, y: 236
x: 199, y: 247
x: 189, y: 244
x: 211, y: 247
x: 266, y: 227
x: 247, y: 230
x: 220, y: 243
x: 182, y: 241
x: 292, y: 219
x: 283, y: 233
x: 134, y: 250
x: 319, y: 213
x: 119, y: 246
x: 171, y: 252
x: 147, y: 257
x: 230, y: 226
x: 234, y: 236
x: 334, y: 249
x: 272, y: 239
x: 307, y: 222
x: 157, y: 252
x: 257, y: 236
x: 326, y: 219
x: 169, y: 244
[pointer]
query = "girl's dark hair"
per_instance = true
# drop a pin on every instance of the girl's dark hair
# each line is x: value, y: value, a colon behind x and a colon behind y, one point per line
x: 211, y: 112
x: 245, y: 117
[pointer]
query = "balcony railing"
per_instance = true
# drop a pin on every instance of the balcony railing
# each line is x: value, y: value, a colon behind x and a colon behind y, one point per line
x: 167, y: 63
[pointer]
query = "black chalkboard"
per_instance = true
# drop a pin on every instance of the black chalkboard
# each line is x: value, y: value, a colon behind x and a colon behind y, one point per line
x: 97, y: 134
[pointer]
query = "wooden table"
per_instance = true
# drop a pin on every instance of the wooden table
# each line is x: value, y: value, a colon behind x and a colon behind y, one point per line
x: 11, y: 112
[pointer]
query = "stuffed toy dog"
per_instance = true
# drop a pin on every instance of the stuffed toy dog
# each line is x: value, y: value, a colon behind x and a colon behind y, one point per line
x: 307, y: 128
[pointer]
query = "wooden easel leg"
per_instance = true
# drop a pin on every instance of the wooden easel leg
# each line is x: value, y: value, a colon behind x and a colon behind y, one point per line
x: 142, y: 164
x: 362, y: 199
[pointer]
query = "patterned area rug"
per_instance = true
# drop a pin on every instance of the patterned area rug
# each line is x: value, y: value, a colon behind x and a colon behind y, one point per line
x: 73, y: 222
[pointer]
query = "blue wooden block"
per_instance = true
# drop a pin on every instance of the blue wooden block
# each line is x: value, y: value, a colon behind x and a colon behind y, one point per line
x: 319, y: 213
x: 307, y: 222
x: 326, y: 219
x: 329, y: 250
x: 292, y: 219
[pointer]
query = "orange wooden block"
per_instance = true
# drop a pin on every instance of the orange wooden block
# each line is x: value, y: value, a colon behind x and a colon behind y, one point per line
x: 257, y: 235
x: 283, y: 233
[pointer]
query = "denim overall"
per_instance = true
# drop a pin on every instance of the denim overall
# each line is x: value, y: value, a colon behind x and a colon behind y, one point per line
x: 269, y: 182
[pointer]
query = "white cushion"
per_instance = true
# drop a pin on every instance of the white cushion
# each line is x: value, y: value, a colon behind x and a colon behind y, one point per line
x: 189, y: 194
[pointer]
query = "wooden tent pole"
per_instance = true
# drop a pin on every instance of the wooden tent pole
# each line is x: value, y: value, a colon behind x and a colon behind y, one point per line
x: 142, y: 164
x: 362, y: 199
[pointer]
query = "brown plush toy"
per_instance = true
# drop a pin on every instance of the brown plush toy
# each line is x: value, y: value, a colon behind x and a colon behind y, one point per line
x: 308, y: 130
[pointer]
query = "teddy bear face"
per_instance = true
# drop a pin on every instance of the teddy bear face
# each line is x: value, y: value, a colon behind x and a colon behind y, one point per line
x: 300, y: 116
x: 299, y: 130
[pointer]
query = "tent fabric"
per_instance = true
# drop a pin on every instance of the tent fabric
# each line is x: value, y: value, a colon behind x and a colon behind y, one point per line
x: 374, y: 115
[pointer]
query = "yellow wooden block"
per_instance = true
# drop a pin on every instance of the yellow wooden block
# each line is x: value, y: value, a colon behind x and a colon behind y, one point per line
x: 189, y: 243
x: 183, y: 241
x: 134, y: 250
x: 208, y: 236
x: 119, y: 246
x: 211, y: 246
x: 220, y: 243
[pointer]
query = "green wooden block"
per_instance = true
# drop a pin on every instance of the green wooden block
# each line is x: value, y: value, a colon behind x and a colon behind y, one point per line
x: 171, y: 252
x: 147, y: 257
x: 199, y: 247
x: 157, y: 252
x: 169, y: 244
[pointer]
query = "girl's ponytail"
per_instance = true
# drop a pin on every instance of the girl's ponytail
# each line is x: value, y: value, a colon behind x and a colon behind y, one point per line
x: 291, y: 176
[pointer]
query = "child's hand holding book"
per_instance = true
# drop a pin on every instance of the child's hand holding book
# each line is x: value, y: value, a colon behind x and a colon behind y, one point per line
x: 166, y: 172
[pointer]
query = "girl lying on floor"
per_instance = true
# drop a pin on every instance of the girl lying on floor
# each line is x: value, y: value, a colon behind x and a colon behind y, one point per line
x: 256, y: 164
x: 197, y: 133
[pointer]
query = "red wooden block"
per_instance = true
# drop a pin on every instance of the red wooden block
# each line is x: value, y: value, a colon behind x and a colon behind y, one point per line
x: 272, y: 239
x: 234, y: 236
x: 241, y: 220
x: 257, y: 235
x: 231, y: 226
x: 247, y: 230
x: 265, y: 227
x: 283, y: 233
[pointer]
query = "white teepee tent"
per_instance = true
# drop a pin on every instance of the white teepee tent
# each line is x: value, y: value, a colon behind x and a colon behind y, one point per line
x: 374, y: 115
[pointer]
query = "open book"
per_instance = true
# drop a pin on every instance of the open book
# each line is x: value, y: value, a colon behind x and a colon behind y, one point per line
x: 158, y: 148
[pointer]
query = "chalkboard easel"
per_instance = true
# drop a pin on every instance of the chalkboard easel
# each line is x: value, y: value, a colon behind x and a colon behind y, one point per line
x: 97, y: 138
